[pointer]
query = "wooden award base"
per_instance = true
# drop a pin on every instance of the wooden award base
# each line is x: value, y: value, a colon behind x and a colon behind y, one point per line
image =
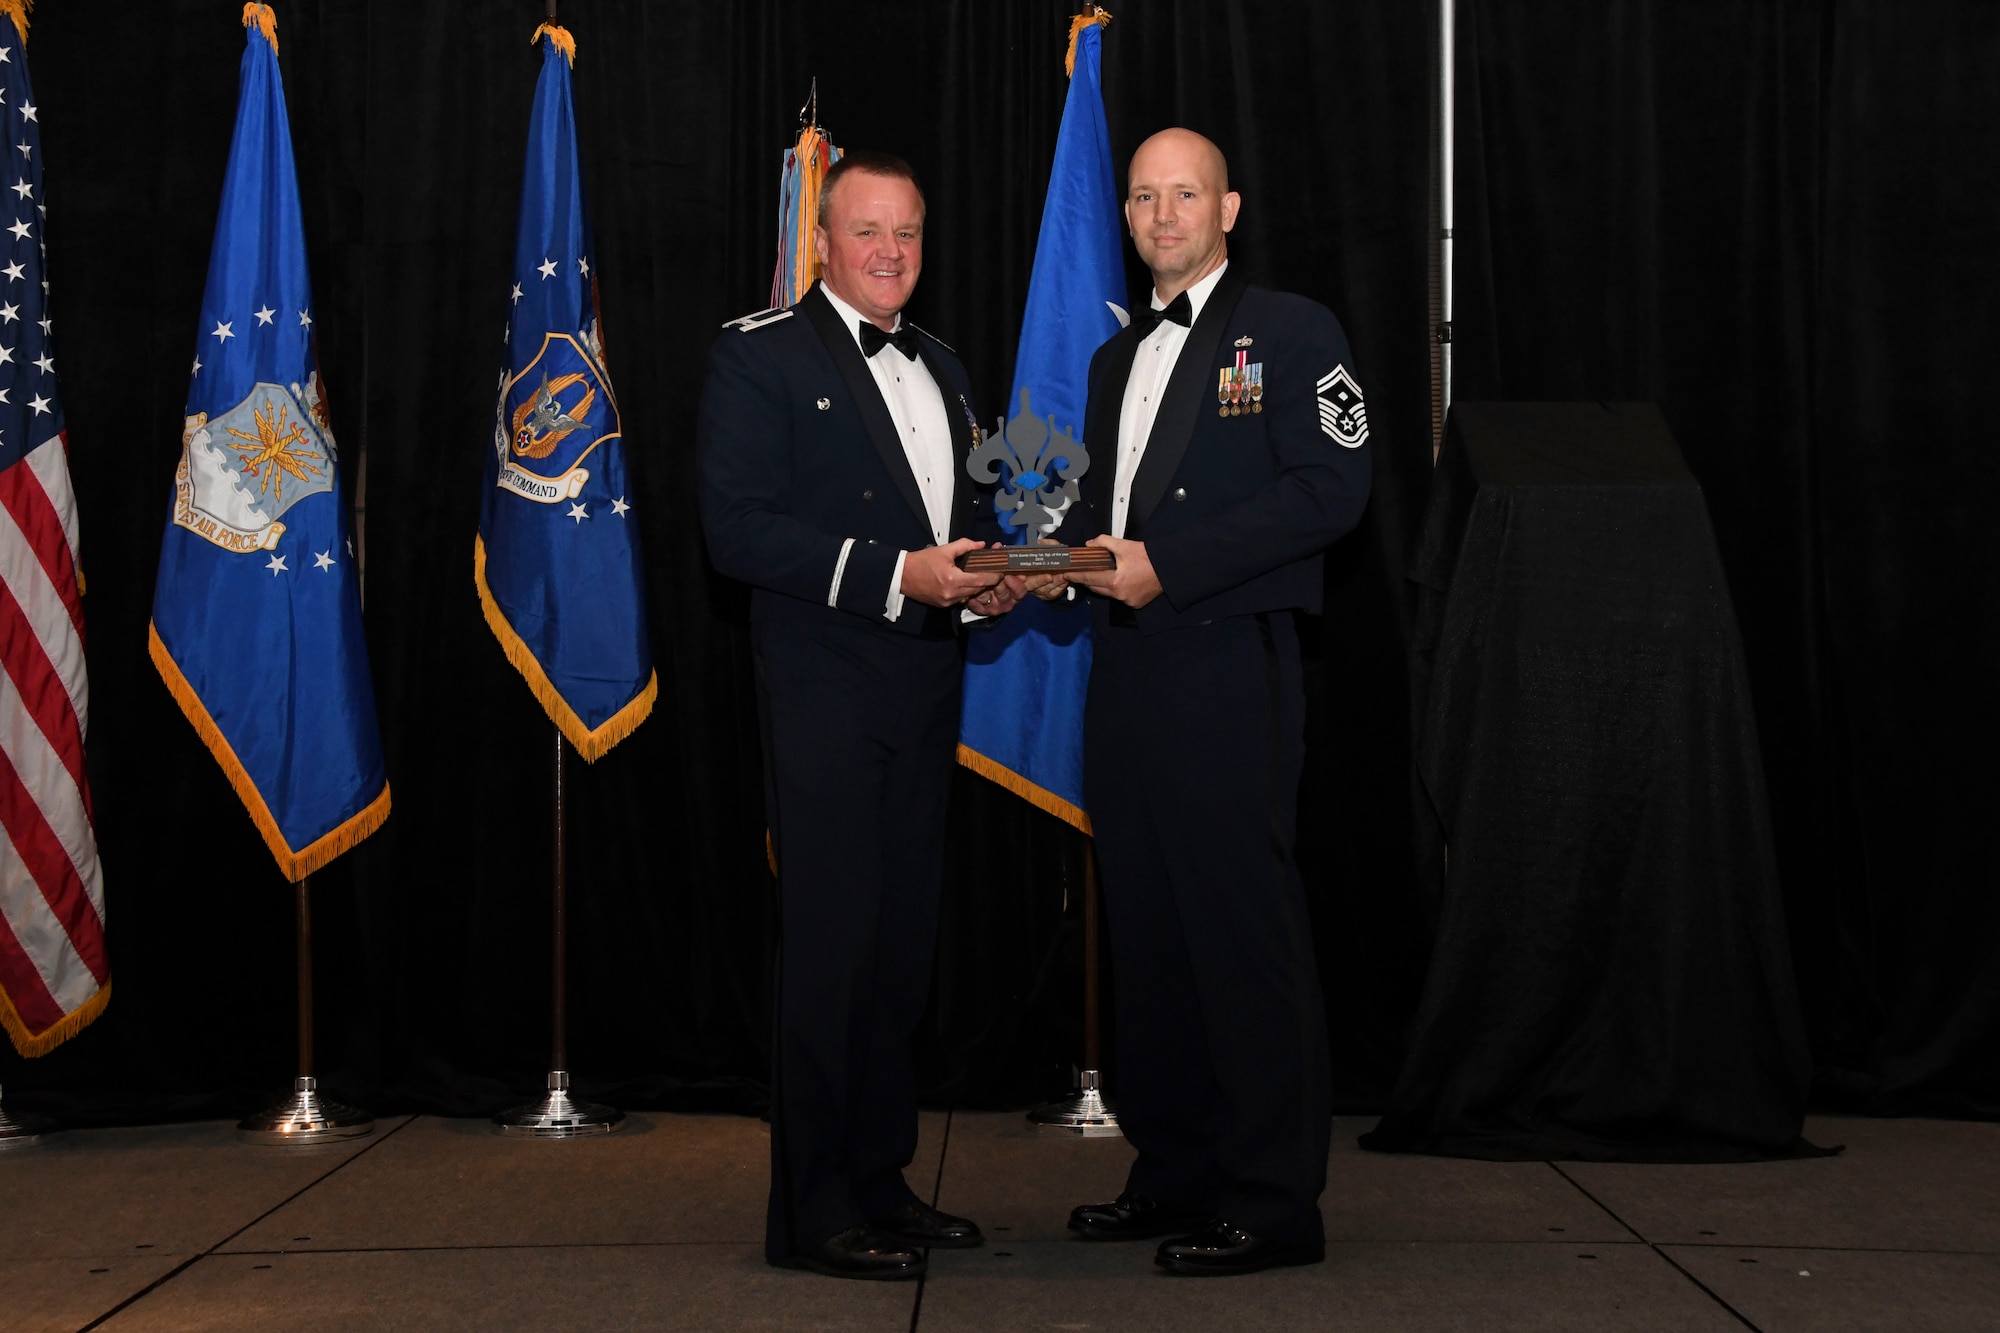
x: 1036, y: 559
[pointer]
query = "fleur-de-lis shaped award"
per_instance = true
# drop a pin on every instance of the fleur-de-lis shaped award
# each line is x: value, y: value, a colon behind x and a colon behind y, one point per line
x: 1037, y: 468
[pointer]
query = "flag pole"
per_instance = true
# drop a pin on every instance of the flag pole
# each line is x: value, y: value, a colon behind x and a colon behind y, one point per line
x: 557, y: 1115
x: 305, y: 1116
x: 1085, y: 1113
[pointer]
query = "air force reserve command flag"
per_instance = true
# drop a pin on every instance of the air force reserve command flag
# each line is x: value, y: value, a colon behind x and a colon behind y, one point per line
x: 54, y: 974
x: 1025, y: 680
x: 557, y: 555
x: 257, y: 613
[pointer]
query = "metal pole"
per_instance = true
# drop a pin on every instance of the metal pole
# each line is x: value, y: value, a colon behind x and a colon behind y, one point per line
x: 557, y: 1115
x: 1447, y: 142
x: 305, y: 1116
x: 559, y: 931
x: 302, y: 915
x: 1090, y: 1041
x: 1086, y: 1113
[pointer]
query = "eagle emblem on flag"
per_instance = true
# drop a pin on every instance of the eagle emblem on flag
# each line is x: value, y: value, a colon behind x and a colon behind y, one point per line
x: 553, y: 414
x: 241, y: 471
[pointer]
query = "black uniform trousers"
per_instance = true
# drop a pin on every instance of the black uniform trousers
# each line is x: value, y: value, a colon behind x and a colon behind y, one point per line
x: 1194, y: 743
x: 860, y: 729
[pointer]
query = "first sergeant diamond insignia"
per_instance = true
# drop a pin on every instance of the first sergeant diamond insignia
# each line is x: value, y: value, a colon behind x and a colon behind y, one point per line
x: 1342, y: 414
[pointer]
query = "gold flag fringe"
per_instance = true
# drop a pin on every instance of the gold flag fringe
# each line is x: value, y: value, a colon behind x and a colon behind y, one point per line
x: 559, y: 38
x: 266, y: 19
x: 30, y: 1045
x: 295, y: 865
x: 1093, y: 16
x: 591, y: 745
x: 1026, y: 790
x: 17, y: 10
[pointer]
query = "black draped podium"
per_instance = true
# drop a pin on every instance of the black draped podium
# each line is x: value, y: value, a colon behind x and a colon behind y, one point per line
x: 1610, y: 977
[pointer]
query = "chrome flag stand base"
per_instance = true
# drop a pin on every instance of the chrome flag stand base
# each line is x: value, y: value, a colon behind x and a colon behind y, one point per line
x: 304, y: 1117
x: 22, y: 1131
x: 1084, y: 1113
x: 557, y: 1115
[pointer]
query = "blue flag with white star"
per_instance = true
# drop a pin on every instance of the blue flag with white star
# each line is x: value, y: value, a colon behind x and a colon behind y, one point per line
x: 1025, y: 679
x: 557, y: 555
x: 257, y: 610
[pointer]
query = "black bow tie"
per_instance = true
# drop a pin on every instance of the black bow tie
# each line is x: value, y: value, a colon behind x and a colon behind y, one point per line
x: 874, y: 339
x: 1180, y: 310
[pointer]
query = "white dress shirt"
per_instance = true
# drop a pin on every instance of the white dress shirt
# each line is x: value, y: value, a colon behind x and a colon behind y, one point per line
x: 916, y: 405
x: 1152, y: 366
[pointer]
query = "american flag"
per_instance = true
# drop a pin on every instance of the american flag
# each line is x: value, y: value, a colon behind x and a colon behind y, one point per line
x: 54, y: 976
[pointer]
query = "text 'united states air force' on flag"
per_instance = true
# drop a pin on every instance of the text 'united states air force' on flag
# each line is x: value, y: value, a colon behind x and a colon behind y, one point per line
x: 557, y: 555
x: 257, y: 611
x: 1025, y: 680
x: 55, y: 976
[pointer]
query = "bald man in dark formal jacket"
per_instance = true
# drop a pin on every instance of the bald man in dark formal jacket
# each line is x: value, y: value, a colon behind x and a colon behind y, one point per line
x: 1230, y: 441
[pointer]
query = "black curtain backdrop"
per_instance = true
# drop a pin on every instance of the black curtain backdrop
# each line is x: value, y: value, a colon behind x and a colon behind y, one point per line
x: 1773, y: 219
x: 1766, y: 217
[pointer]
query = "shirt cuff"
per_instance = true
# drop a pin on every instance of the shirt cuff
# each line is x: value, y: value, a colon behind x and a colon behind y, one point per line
x: 893, y: 608
x: 839, y: 568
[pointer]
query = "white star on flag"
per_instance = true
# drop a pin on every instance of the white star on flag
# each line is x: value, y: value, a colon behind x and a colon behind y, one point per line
x: 20, y: 230
x: 619, y: 506
x: 44, y: 363
x: 264, y: 315
x: 6, y: 355
x: 197, y: 367
x: 40, y: 404
x: 9, y: 313
x: 25, y: 190
x: 3, y: 396
x: 277, y: 566
x: 28, y: 111
x: 25, y: 152
x: 517, y: 293
x: 579, y: 513
x: 46, y: 324
x: 547, y: 268
x: 14, y: 270
x: 583, y: 267
x: 221, y: 330
x: 324, y: 560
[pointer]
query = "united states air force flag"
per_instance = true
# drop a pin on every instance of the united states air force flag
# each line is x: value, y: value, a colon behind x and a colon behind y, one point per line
x: 257, y: 614
x: 557, y: 555
x: 1025, y: 680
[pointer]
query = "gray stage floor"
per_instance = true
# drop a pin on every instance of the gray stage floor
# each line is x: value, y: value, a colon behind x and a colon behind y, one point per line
x: 434, y: 1224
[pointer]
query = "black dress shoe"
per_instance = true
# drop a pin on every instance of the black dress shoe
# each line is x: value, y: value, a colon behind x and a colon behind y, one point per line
x: 859, y: 1252
x: 917, y: 1223
x: 1131, y: 1217
x: 1222, y: 1250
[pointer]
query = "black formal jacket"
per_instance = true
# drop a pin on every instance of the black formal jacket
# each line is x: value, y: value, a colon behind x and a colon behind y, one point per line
x: 1234, y: 510
x: 797, y: 453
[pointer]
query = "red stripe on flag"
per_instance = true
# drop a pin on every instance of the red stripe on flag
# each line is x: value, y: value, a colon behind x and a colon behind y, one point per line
x: 42, y: 852
x: 22, y: 494
x: 24, y: 986
x: 42, y: 690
